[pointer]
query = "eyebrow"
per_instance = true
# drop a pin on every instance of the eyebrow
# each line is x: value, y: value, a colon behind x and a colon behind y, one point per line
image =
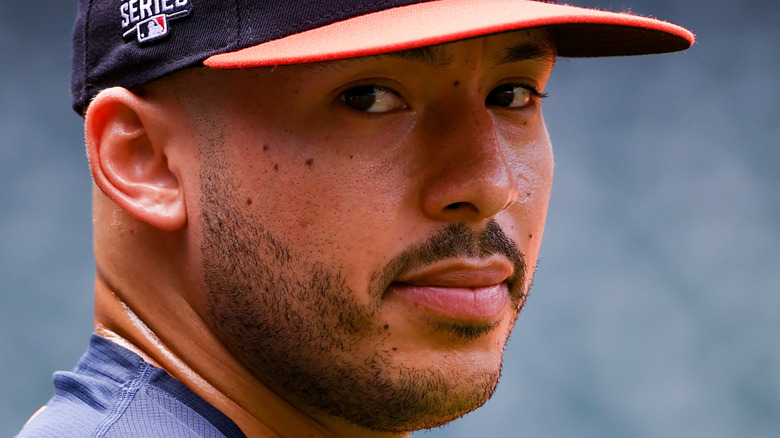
x: 527, y: 52
x: 437, y: 56
x: 432, y: 55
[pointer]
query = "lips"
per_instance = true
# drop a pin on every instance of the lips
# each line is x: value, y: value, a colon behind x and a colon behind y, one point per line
x: 466, y: 290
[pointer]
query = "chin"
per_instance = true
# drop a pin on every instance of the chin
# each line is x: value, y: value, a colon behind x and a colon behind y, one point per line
x: 434, y: 398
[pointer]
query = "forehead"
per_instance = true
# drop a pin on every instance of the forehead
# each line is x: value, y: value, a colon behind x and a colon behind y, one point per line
x: 497, y: 49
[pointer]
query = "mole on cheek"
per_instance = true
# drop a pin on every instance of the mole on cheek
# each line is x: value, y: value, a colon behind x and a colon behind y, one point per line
x: 456, y: 83
x: 310, y: 162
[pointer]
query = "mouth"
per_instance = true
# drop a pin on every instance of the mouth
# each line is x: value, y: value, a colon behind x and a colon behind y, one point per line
x: 469, y: 291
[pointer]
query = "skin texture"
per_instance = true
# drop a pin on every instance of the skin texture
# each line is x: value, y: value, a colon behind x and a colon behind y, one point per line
x: 260, y: 237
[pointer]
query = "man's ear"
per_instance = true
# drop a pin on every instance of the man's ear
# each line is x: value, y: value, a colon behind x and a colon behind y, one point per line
x: 126, y: 148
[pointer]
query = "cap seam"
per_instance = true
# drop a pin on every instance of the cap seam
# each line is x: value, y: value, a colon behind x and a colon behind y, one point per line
x: 85, y: 86
x: 239, y: 28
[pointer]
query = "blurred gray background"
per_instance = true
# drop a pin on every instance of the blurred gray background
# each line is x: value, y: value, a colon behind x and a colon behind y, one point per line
x: 656, y: 308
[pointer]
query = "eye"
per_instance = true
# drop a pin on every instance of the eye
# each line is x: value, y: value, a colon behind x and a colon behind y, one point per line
x: 512, y: 96
x: 373, y: 99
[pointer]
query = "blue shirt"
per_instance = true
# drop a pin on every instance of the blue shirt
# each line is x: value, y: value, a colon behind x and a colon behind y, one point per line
x: 112, y: 392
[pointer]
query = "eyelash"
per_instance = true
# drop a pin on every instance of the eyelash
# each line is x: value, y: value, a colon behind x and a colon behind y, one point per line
x: 535, y: 93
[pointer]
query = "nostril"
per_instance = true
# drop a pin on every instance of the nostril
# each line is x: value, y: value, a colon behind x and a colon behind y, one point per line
x: 461, y: 206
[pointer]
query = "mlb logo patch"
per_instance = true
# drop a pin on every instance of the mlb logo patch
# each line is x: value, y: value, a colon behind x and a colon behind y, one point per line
x: 147, y: 20
x: 152, y: 28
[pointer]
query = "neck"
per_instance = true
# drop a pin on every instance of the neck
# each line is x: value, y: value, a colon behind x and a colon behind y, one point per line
x: 199, y: 361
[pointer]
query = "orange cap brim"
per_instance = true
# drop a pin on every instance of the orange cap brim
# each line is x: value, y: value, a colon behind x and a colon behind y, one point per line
x: 576, y: 32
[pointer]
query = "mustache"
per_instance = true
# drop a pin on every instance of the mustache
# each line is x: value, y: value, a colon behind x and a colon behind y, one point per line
x: 458, y: 240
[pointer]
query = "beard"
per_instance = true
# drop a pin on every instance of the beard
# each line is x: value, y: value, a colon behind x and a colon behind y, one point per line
x: 297, y: 326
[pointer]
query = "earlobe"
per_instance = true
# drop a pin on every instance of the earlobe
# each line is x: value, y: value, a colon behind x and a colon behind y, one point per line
x: 128, y: 159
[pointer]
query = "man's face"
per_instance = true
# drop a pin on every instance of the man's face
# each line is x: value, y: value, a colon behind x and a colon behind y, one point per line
x: 370, y: 227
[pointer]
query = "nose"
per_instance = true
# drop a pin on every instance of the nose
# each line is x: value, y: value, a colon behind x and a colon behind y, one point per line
x: 468, y: 176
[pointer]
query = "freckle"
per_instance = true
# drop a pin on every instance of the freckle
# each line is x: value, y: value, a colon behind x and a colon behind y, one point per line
x: 387, y: 326
x: 309, y: 162
x: 248, y: 201
x: 530, y: 235
x: 527, y: 193
x: 276, y: 167
x: 395, y: 348
x: 456, y: 83
x: 351, y: 157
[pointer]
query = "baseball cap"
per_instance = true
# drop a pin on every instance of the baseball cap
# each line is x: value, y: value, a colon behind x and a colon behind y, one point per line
x: 132, y: 42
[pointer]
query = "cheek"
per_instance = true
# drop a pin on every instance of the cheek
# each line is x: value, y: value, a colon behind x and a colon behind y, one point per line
x: 529, y: 154
x: 327, y: 197
x: 533, y: 166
